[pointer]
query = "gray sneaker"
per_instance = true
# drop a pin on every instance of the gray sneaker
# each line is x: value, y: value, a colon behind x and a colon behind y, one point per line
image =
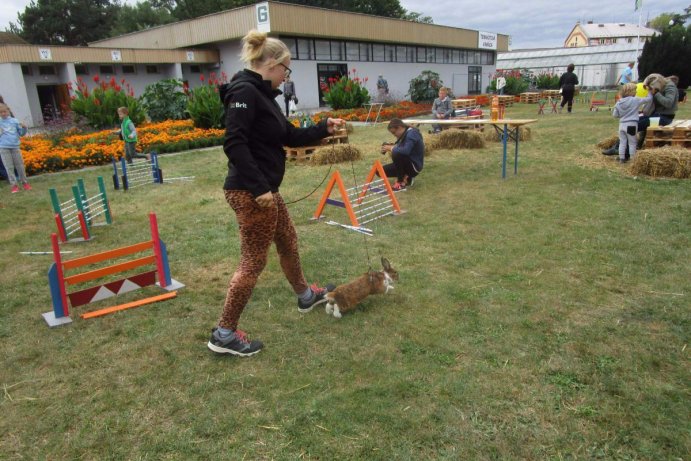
x: 318, y: 298
x: 235, y: 344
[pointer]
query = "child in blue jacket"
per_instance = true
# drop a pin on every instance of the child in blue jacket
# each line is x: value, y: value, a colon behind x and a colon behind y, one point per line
x: 11, y: 130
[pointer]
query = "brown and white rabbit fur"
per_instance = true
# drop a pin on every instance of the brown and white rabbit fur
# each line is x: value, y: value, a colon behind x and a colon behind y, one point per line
x: 346, y: 297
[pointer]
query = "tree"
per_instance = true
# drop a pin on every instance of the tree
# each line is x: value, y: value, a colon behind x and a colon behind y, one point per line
x: 65, y: 22
x: 417, y: 17
x: 668, y: 54
x: 667, y: 20
x: 141, y: 16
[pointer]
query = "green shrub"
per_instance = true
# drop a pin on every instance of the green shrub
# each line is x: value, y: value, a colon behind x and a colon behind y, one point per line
x: 204, y: 105
x: 425, y: 87
x: 346, y: 92
x: 165, y: 100
x: 517, y: 82
x: 99, y: 107
x: 547, y: 81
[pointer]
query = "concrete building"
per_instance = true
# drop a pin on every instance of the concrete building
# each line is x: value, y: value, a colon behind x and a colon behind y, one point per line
x: 324, y: 43
x: 597, y: 34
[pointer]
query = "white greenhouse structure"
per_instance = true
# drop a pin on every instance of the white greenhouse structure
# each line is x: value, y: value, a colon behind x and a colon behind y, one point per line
x: 596, y: 66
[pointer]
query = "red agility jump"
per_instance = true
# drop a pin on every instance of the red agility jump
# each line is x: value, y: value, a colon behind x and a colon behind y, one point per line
x: 58, y: 280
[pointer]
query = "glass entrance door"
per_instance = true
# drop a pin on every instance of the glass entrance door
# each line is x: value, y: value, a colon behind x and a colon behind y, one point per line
x: 474, y: 79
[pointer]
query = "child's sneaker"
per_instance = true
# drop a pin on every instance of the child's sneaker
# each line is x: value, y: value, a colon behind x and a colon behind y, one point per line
x: 15, y: 189
x: 317, y: 298
x: 236, y: 343
x: 398, y: 186
x: 27, y: 186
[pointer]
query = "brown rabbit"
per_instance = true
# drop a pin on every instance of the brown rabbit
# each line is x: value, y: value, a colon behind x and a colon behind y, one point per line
x: 346, y: 297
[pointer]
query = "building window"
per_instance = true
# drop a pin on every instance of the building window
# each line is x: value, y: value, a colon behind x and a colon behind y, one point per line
x: 323, y: 49
x: 107, y: 70
x: 195, y: 69
x: 151, y: 69
x: 129, y: 69
x: 46, y: 70
x: 352, y: 51
x: 365, y: 51
x: 305, y: 49
x: 337, y: 51
x: 390, y: 53
x: 463, y: 55
x: 431, y: 53
x: 456, y: 56
x: 292, y: 45
x: 378, y: 52
x: 26, y: 69
x: 401, y: 53
x: 421, y: 54
x: 487, y: 58
x: 81, y: 69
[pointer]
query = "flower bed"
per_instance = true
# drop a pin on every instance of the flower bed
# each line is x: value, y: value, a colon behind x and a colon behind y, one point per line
x: 44, y: 153
x: 403, y: 109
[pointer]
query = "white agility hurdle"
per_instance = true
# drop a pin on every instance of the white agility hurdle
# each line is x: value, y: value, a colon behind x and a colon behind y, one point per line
x: 137, y: 173
x: 364, y: 203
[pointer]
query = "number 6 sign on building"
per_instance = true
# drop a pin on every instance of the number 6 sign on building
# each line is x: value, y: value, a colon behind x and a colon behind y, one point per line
x: 263, y: 21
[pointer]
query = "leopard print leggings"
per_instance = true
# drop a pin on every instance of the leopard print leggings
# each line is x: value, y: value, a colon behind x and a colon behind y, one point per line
x: 258, y: 228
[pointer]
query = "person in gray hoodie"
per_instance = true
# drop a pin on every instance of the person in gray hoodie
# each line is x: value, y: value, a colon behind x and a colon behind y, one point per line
x: 626, y: 110
x: 665, y: 100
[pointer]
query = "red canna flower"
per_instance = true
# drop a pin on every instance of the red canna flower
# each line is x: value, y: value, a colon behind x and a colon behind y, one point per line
x: 96, y: 78
x: 201, y: 77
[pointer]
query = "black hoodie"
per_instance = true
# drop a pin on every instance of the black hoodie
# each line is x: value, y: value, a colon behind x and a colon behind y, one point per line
x: 256, y: 131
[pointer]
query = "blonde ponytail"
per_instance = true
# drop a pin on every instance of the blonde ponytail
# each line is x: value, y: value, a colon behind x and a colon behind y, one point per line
x: 258, y: 48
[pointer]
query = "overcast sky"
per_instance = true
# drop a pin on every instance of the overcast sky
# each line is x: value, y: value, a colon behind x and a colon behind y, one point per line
x: 530, y: 23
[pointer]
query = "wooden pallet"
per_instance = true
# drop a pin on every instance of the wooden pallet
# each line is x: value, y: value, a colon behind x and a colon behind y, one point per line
x: 300, y: 154
x: 550, y: 94
x: 677, y: 133
x: 469, y: 103
x: 506, y: 100
x: 530, y: 98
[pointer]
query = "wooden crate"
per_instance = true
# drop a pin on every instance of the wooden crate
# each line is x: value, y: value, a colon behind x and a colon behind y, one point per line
x: 339, y: 137
x: 678, y: 133
x: 530, y: 98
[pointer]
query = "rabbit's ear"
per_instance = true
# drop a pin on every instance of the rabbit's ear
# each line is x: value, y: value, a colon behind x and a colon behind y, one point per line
x: 385, y: 263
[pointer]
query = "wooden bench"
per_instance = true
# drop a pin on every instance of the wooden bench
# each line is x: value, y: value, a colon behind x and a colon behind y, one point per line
x: 677, y: 134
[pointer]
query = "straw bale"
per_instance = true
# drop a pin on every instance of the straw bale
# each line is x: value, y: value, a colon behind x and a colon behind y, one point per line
x: 335, y: 153
x: 663, y: 162
x: 455, y: 139
x: 525, y: 134
x: 608, y: 142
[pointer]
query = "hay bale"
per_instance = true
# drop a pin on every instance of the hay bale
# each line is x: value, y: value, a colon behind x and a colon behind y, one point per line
x: 455, y: 139
x: 663, y: 162
x: 335, y: 153
x: 525, y: 134
x: 608, y: 143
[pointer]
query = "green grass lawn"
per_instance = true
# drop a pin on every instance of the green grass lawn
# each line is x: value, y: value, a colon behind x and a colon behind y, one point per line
x: 544, y: 316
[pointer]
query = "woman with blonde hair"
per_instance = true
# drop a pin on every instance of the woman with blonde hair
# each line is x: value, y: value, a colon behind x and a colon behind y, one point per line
x: 256, y: 131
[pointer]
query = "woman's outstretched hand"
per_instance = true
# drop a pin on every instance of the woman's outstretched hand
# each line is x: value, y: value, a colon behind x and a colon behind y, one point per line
x: 332, y: 123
